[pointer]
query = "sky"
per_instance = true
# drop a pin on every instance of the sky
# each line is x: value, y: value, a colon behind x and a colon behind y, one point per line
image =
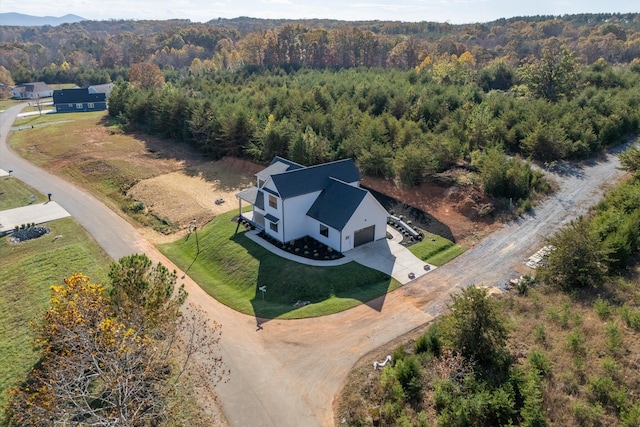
x: 451, y: 11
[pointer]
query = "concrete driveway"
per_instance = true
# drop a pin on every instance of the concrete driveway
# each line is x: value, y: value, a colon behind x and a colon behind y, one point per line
x: 389, y: 256
x: 38, y: 213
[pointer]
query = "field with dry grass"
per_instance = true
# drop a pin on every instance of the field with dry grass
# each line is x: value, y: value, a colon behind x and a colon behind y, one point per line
x: 160, y: 185
x: 586, y: 346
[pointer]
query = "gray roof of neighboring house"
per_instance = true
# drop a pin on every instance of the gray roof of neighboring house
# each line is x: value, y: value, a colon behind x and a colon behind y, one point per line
x: 336, y: 204
x: 105, y: 88
x: 310, y: 179
x: 36, y: 87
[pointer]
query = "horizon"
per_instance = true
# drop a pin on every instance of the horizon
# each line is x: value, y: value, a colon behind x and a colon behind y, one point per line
x: 200, y: 11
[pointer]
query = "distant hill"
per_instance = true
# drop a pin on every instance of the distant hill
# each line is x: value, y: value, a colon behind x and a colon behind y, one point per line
x: 18, y: 19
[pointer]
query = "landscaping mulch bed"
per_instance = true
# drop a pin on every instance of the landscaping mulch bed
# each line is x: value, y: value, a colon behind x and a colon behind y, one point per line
x: 28, y: 233
x: 306, y: 247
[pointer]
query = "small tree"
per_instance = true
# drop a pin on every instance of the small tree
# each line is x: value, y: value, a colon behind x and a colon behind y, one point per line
x: 578, y: 260
x: 476, y: 328
x: 146, y: 75
x: 144, y: 293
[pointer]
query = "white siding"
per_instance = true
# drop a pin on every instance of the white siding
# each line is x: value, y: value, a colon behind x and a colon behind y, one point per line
x: 368, y: 213
x: 275, y: 212
x: 295, y: 215
x: 332, y: 240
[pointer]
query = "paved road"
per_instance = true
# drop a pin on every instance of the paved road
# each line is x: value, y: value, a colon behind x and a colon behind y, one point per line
x: 288, y: 373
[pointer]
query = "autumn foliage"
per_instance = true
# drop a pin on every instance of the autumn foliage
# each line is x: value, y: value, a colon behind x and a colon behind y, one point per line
x: 101, y: 364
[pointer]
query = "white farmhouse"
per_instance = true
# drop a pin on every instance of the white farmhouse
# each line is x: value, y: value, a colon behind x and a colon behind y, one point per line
x: 325, y: 202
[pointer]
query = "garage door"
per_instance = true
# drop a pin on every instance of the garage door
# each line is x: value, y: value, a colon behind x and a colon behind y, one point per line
x: 363, y: 236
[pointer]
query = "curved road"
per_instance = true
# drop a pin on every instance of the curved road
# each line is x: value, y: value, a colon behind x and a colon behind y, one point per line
x: 288, y: 373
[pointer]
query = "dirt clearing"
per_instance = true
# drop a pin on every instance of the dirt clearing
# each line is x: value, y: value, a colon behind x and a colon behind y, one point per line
x: 191, y: 193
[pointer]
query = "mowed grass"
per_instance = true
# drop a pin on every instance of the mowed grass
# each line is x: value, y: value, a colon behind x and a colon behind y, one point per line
x: 15, y: 194
x: 29, y: 269
x: 231, y: 268
x: 436, y: 250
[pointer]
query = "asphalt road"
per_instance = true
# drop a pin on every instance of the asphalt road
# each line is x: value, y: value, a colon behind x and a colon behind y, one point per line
x: 288, y: 372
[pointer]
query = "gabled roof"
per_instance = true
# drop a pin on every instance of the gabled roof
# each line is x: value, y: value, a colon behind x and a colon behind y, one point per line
x: 35, y: 87
x: 292, y: 165
x: 336, y: 204
x: 76, y: 95
x: 310, y: 179
x: 105, y: 88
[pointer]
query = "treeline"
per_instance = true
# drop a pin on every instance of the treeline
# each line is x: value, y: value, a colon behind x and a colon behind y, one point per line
x: 406, y: 124
x: 179, y: 45
x: 591, y: 249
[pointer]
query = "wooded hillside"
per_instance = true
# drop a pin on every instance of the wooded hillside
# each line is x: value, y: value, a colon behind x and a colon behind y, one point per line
x: 62, y: 53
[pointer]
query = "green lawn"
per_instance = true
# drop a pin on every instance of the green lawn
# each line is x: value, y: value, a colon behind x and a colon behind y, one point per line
x: 15, y: 194
x: 435, y: 249
x: 28, y: 271
x: 230, y: 267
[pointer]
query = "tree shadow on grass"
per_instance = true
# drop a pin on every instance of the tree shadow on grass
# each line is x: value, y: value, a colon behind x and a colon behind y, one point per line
x: 291, y: 286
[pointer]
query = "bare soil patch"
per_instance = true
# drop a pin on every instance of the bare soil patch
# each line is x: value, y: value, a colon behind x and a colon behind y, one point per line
x: 191, y: 193
x: 457, y: 207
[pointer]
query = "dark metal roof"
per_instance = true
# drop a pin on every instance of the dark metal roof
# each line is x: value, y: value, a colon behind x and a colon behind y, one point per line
x: 73, y: 96
x: 259, y: 200
x: 336, y: 204
x: 271, y: 218
x: 310, y: 179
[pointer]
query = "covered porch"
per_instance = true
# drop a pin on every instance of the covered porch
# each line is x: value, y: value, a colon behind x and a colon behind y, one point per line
x: 254, y: 198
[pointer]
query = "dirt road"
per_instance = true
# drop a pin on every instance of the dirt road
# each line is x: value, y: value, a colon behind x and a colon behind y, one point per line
x: 288, y: 372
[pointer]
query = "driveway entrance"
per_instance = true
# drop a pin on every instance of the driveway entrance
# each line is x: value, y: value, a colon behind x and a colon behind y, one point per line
x: 389, y: 257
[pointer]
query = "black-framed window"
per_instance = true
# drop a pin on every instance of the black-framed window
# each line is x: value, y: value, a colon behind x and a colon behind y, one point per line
x: 324, y: 230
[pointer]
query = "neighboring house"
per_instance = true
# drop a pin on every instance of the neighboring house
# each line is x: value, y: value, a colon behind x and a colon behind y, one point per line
x: 325, y: 202
x: 78, y: 99
x: 32, y: 91
x: 105, y: 88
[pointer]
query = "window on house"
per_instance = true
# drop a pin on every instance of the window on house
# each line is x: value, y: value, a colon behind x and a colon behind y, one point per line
x: 273, y: 226
x: 261, y: 183
x: 79, y: 106
x: 90, y: 105
x: 324, y: 230
x: 273, y: 202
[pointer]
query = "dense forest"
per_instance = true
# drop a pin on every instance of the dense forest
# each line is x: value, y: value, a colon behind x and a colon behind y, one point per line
x: 93, y: 52
x: 407, y: 100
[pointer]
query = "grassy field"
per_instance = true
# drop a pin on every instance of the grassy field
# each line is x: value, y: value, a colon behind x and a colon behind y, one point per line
x: 80, y: 148
x: 28, y: 271
x: 436, y: 250
x: 15, y: 194
x: 230, y: 267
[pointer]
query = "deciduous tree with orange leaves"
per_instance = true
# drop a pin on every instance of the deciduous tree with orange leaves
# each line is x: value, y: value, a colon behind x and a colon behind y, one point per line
x: 114, y: 358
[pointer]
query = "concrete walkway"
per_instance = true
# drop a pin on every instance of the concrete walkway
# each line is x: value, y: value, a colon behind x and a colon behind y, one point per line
x: 386, y: 255
x: 38, y: 213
